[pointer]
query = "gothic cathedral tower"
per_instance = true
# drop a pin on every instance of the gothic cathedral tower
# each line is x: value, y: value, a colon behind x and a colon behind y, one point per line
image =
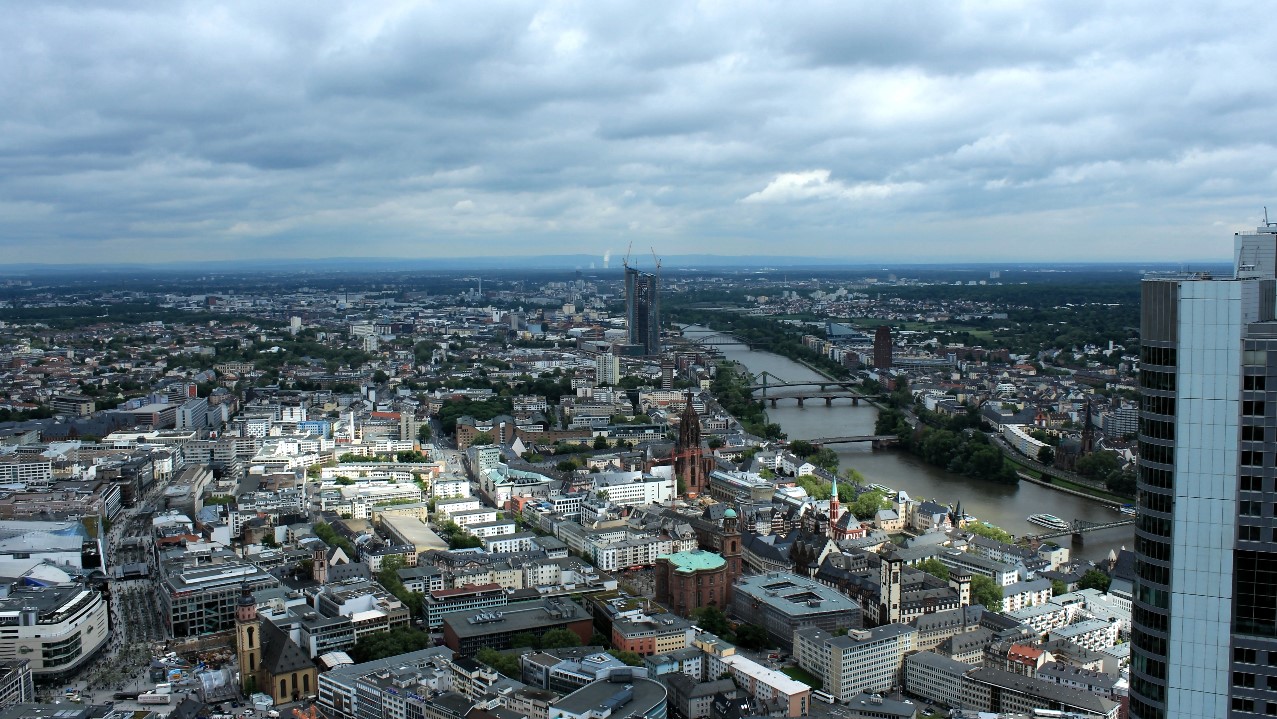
x: 687, y: 452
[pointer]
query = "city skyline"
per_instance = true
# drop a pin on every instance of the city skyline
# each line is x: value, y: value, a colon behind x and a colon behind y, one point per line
x: 188, y: 132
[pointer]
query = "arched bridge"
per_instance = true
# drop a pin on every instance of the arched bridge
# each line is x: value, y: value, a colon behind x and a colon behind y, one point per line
x: 1078, y: 528
x: 716, y: 339
x: 812, y: 393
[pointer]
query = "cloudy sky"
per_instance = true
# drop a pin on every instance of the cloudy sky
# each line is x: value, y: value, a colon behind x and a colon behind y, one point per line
x: 135, y: 131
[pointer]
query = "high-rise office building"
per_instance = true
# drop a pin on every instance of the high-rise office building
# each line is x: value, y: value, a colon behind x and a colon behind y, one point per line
x: 1204, y: 615
x: 643, y: 310
x: 882, y: 348
x: 607, y: 370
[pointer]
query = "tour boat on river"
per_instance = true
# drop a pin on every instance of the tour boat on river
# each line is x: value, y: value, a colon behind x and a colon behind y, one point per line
x: 1048, y: 520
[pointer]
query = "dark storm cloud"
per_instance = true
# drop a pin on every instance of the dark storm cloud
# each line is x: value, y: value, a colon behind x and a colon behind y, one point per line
x: 933, y: 130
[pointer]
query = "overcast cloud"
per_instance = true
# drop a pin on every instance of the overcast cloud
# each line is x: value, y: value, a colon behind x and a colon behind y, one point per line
x: 866, y: 130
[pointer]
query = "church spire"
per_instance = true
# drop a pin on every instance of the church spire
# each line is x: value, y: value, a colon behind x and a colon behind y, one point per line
x: 833, y: 504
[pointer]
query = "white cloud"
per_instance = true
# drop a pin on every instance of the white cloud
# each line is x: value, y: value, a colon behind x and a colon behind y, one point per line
x: 816, y: 185
x: 550, y: 126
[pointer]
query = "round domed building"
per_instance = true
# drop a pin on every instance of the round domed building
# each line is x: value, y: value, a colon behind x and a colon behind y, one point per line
x: 686, y: 581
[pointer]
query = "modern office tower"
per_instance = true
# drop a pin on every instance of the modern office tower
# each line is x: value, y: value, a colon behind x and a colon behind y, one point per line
x: 882, y: 348
x: 1204, y: 615
x: 643, y: 310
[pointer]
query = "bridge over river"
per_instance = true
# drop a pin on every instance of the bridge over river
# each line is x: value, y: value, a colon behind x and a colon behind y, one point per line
x: 1078, y: 528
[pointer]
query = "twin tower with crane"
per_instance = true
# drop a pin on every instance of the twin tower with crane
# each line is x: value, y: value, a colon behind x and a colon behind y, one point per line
x: 643, y: 307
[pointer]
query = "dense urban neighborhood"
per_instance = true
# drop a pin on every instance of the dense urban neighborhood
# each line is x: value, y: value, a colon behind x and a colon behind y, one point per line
x: 555, y: 497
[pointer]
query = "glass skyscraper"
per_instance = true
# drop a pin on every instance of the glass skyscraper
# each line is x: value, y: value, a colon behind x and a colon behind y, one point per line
x: 1204, y: 614
x: 643, y: 311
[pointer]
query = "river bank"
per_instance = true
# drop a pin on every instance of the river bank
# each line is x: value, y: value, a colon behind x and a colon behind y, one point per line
x: 1005, y: 505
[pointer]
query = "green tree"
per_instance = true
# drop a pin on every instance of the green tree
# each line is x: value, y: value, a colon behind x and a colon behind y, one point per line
x: 329, y: 536
x: 1095, y: 579
x: 935, y: 568
x: 560, y: 638
x: 988, y: 531
x: 600, y: 442
x: 1058, y: 587
x: 631, y: 658
x: 1046, y: 455
x: 715, y: 442
x: 506, y: 664
x: 752, y: 636
x: 1097, y: 464
x: 481, y: 439
x: 987, y: 592
x: 525, y: 639
x: 802, y: 448
x: 867, y: 504
x: 712, y: 620
x: 380, y: 645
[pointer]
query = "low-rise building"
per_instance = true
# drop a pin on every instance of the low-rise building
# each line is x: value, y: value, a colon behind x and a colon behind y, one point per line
x: 476, y: 597
x: 1094, y: 634
x: 646, y: 634
x: 994, y: 690
x: 200, y: 587
x: 776, y: 691
x: 468, y: 631
x: 935, y: 677
x: 56, y: 629
x: 1030, y: 593
x: 607, y: 699
x: 782, y: 602
x: 567, y: 669
x: 862, y: 660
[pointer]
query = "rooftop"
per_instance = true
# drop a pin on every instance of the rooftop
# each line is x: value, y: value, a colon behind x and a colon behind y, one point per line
x: 607, y: 698
x: 519, y: 617
x: 795, y: 595
x: 695, y: 560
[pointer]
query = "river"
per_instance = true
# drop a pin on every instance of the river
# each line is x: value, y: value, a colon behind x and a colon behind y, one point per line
x: 1006, y: 506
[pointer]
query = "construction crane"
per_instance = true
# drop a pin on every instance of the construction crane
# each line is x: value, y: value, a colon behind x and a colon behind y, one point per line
x: 626, y: 262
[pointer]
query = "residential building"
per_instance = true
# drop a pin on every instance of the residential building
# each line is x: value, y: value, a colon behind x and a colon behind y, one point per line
x: 646, y: 634
x: 16, y: 684
x: 607, y: 370
x: 775, y: 690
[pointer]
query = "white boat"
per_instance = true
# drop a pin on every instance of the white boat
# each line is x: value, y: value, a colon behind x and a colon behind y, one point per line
x: 1048, y: 520
x: 882, y: 488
